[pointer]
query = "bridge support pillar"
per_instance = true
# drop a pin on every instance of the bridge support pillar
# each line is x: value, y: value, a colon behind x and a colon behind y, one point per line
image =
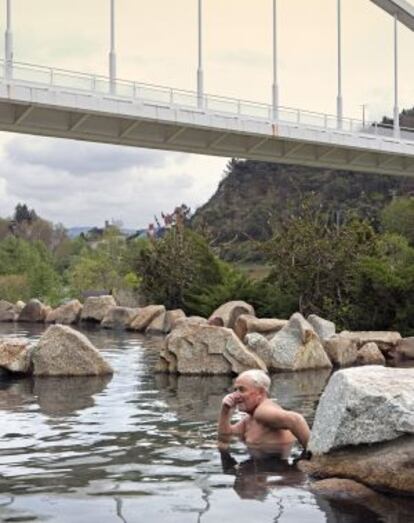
x: 112, y: 54
x: 275, y: 87
x: 339, y: 101
x: 8, y: 42
x: 200, y: 74
x: 396, y: 108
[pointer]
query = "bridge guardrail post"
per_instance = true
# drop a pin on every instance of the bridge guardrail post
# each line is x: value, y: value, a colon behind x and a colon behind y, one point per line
x: 298, y: 116
x: 171, y: 96
x: 51, y: 76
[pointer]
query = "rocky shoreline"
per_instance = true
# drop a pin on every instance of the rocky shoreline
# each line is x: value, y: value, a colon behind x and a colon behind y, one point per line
x: 362, y: 441
x: 233, y: 339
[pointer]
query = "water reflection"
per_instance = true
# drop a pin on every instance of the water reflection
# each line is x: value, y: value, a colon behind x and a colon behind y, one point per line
x: 256, y: 477
x: 63, y: 396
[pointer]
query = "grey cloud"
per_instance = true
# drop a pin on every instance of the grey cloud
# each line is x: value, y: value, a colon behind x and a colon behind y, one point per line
x: 37, y: 173
x: 79, y: 158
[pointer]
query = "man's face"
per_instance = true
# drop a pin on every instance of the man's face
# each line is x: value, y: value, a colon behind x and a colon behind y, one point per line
x: 249, y: 396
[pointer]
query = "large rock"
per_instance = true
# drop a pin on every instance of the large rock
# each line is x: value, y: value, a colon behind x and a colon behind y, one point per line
x: 63, y: 351
x: 8, y: 311
x: 297, y: 347
x: 205, y: 349
x: 369, y: 354
x: 338, y: 492
x: 15, y: 354
x: 405, y: 347
x: 383, y: 466
x: 165, y: 323
x: 386, y: 340
x: 260, y: 345
x: 363, y: 405
x: 95, y: 308
x: 246, y: 323
x: 145, y: 316
x: 67, y: 313
x: 33, y: 311
x: 342, y: 352
x: 230, y: 311
x: 119, y: 317
x: 325, y: 329
x: 190, y: 320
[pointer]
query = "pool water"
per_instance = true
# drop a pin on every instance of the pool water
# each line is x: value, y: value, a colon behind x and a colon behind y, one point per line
x: 140, y: 446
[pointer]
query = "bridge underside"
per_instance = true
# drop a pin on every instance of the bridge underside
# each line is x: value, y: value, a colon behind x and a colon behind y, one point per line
x: 110, y: 120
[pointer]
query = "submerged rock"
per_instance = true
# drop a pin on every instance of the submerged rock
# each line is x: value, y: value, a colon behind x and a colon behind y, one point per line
x: 15, y: 354
x: 145, y: 316
x: 8, y: 311
x: 296, y: 347
x: 230, y: 311
x: 63, y: 351
x: 325, y: 329
x: 386, y: 340
x: 96, y: 307
x: 165, y: 322
x: 386, y: 467
x: 363, y: 405
x: 119, y: 317
x: 342, y: 352
x: 67, y: 313
x: 369, y: 354
x: 246, y: 324
x: 34, y: 311
x: 405, y: 347
x: 205, y: 349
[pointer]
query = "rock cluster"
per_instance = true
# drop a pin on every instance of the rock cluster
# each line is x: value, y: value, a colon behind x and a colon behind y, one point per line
x: 364, y: 429
x: 292, y: 344
x: 60, y: 351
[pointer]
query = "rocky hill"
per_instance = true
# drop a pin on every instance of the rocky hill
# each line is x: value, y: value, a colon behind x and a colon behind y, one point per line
x: 253, y: 196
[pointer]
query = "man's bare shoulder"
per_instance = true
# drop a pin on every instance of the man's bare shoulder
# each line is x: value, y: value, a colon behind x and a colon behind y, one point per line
x: 270, y: 411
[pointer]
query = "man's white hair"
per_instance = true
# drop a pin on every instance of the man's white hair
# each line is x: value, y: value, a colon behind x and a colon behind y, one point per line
x: 259, y: 378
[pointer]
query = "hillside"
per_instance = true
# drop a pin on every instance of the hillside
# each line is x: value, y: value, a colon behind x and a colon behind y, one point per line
x: 253, y: 196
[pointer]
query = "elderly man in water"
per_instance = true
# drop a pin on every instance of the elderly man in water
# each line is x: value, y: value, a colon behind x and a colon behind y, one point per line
x: 266, y: 427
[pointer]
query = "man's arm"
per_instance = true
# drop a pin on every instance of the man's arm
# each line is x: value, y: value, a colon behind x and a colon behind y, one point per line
x: 224, y: 423
x: 278, y: 418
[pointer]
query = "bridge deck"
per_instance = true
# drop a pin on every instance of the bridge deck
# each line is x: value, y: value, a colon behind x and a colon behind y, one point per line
x: 53, y: 102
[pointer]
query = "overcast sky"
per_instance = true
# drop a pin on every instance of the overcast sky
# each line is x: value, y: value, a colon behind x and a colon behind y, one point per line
x: 77, y: 183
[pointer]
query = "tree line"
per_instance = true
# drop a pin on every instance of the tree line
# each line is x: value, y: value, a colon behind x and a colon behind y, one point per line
x: 359, y: 276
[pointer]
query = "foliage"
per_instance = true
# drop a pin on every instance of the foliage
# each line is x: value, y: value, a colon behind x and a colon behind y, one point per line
x: 383, y: 287
x: 398, y: 217
x: 99, y: 266
x: 232, y: 285
x: 35, y: 263
x: 253, y: 195
x: 175, y: 267
x: 23, y: 214
x: 314, y: 261
x: 14, y: 287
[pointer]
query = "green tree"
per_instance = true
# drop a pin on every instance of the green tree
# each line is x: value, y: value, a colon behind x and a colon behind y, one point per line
x: 313, y: 262
x: 176, y: 266
x: 99, y: 266
x: 398, y: 217
x: 35, y: 262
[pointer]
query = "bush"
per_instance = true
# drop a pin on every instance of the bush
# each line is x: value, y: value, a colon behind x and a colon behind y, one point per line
x: 14, y: 287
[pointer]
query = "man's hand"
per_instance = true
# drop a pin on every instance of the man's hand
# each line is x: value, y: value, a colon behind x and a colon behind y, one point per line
x: 230, y: 400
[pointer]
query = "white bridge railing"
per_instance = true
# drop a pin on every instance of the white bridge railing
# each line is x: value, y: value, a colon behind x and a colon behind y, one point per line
x: 50, y: 77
